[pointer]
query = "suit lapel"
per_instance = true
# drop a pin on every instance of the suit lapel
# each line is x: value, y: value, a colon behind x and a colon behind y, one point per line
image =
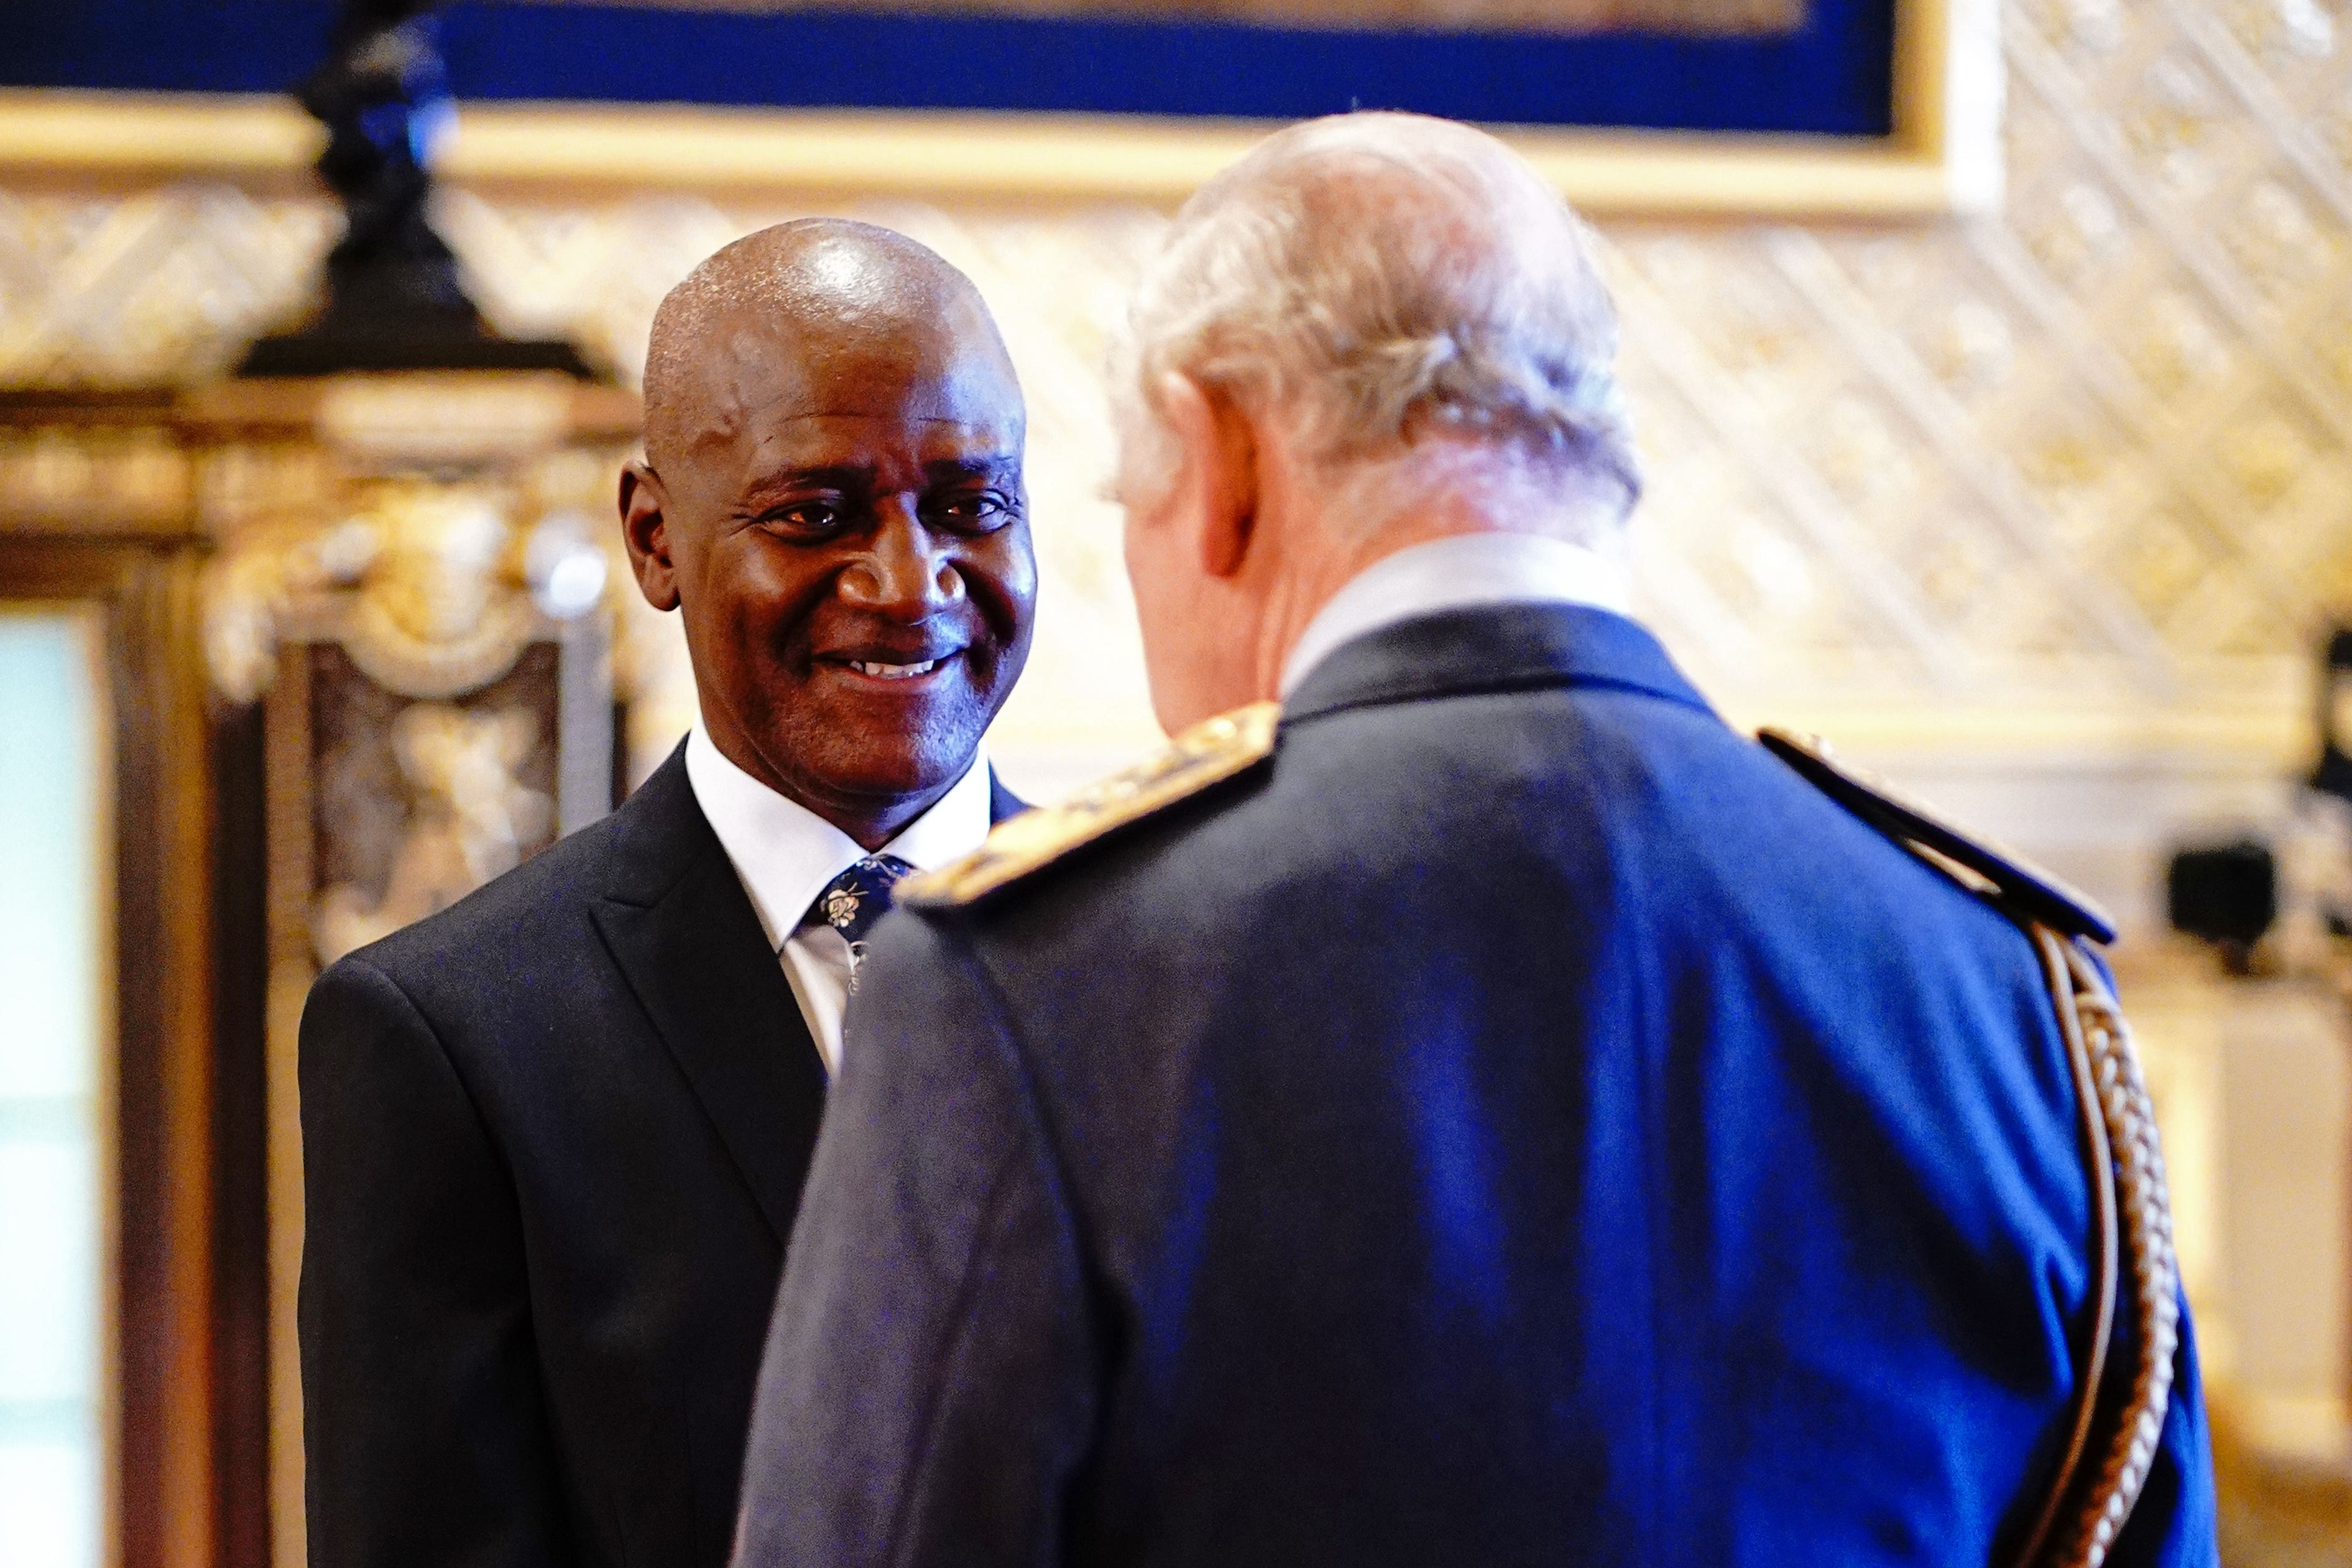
x: 679, y: 923
x: 676, y: 921
x: 1002, y: 802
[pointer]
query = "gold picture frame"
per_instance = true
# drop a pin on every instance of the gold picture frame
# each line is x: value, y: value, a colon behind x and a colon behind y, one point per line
x: 1943, y: 158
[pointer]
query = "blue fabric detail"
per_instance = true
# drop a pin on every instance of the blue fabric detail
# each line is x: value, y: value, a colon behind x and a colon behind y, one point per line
x: 1832, y: 76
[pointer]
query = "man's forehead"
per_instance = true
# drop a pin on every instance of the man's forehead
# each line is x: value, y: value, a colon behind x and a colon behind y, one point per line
x: 767, y: 377
x: 862, y: 441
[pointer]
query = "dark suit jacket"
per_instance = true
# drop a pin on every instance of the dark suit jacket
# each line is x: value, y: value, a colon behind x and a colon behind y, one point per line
x: 1520, y: 1123
x: 554, y: 1138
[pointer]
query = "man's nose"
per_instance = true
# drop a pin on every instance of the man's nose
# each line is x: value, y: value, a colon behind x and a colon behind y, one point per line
x: 906, y: 574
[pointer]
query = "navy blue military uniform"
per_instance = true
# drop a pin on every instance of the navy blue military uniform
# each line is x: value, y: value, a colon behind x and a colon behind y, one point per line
x: 554, y: 1139
x: 1518, y: 1121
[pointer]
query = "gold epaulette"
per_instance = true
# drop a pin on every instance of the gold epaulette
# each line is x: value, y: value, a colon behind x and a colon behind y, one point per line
x: 1975, y: 864
x: 1208, y: 753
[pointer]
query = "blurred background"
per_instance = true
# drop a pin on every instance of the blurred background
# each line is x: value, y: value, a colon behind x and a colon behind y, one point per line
x: 2000, y: 429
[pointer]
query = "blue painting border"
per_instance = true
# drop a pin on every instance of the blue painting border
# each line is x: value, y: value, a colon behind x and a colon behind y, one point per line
x: 1832, y: 76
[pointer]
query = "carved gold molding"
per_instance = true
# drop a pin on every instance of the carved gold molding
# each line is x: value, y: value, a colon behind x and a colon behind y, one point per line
x: 1943, y: 158
x: 408, y: 517
x: 69, y: 479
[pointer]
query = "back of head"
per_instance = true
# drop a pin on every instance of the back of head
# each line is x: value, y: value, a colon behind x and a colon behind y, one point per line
x: 1397, y: 293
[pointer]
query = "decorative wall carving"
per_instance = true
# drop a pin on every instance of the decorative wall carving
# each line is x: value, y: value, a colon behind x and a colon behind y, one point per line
x: 418, y: 804
x: 430, y: 528
x: 434, y: 587
x: 58, y: 476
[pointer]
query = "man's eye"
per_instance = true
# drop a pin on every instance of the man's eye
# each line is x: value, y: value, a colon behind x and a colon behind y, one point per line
x: 805, y: 517
x: 979, y: 512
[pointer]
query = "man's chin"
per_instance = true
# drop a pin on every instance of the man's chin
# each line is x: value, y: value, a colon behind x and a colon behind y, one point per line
x: 871, y: 782
x: 837, y: 752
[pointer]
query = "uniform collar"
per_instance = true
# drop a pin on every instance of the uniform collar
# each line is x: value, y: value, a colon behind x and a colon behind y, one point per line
x: 785, y: 853
x: 1453, y: 573
x: 1490, y: 649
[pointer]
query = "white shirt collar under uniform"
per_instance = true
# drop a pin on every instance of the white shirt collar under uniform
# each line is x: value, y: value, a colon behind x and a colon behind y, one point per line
x: 784, y: 854
x: 1452, y: 574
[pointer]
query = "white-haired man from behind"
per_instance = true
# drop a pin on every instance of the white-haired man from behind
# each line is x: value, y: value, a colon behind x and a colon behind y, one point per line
x: 1378, y: 351
x: 1463, y: 1103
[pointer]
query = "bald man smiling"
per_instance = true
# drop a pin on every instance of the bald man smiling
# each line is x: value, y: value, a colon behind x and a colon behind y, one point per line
x: 555, y: 1135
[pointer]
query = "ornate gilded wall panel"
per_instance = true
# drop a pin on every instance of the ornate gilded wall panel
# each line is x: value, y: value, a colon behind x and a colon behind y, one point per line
x: 407, y: 571
x: 417, y: 803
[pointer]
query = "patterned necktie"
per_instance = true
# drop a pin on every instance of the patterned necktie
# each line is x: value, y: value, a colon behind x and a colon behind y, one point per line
x: 854, y: 900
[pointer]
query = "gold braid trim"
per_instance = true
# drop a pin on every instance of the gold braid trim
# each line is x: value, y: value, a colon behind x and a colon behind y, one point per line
x: 2128, y: 1168
x: 2084, y: 1508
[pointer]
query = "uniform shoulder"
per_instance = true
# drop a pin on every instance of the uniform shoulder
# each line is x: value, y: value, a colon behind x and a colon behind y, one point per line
x: 1975, y: 863
x: 1207, y: 754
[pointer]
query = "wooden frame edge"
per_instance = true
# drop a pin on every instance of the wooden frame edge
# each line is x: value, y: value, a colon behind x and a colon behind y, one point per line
x: 1942, y: 159
x: 163, y: 1414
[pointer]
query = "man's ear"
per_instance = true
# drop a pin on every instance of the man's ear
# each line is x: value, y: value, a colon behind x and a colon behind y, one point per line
x: 1220, y: 470
x: 645, y: 528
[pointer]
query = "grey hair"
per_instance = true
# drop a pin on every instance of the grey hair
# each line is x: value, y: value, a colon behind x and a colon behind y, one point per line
x: 1400, y: 293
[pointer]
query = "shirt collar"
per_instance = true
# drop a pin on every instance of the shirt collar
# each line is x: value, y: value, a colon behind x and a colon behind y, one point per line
x: 785, y: 854
x: 1451, y: 574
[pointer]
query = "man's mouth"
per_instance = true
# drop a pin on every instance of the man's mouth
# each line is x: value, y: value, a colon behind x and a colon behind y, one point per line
x: 893, y: 671
x: 900, y: 670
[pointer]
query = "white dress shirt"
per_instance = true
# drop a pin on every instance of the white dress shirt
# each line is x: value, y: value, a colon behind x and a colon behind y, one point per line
x: 1452, y: 574
x: 784, y: 854
x: 1456, y: 571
